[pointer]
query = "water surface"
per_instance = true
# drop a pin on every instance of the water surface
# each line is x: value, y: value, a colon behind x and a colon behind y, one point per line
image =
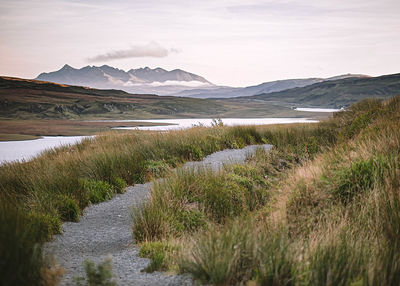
x: 28, y: 149
x: 318, y: 109
x: 177, y: 124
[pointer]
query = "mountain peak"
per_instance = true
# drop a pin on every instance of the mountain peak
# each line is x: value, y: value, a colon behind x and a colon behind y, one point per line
x: 67, y: 67
x: 144, y: 79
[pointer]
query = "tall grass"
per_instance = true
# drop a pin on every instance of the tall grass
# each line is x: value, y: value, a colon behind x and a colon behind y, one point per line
x: 22, y: 260
x: 331, y: 217
x: 61, y: 182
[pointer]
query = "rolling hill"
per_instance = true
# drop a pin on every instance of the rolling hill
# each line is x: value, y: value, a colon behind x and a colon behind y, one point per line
x: 266, y: 87
x: 27, y: 99
x: 334, y: 93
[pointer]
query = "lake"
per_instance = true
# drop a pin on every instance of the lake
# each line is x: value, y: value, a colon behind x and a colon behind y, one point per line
x: 177, y: 124
x: 318, y: 109
x: 27, y: 149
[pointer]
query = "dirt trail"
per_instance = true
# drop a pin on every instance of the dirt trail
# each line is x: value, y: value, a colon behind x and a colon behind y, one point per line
x: 105, y: 229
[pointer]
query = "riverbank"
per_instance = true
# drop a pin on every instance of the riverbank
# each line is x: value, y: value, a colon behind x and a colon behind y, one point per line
x: 12, y: 130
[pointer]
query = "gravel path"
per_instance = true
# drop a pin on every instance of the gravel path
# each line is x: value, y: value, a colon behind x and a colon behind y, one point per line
x: 105, y: 229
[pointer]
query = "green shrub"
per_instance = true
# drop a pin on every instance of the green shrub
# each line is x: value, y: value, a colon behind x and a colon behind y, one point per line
x: 158, y: 254
x: 188, y: 220
x: 97, y: 191
x: 155, y: 169
x: 97, y: 275
x: 119, y: 185
x: 67, y: 208
x: 359, y: 177
x: 149, y: 223
x: 46, y: 225
x: 222, y: 257
x: 191, y: 152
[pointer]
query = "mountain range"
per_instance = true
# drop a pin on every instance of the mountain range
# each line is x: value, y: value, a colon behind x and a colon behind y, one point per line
x: 176, y: 82
x: 141, y: 80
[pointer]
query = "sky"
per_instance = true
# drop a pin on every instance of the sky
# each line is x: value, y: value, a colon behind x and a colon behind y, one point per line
x: 229, y: 42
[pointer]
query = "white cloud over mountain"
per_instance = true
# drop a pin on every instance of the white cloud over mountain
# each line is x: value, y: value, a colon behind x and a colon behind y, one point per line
x: 152, y: 49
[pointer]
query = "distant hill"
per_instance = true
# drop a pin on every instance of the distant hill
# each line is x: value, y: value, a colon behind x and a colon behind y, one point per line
x: 336, y: 93
x: 33, y: 99
x: 142, y: 80
x: 266, y: 87
x: 27, y: 99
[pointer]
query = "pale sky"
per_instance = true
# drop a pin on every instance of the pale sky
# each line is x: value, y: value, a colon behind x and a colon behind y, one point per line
x: 229, y: 42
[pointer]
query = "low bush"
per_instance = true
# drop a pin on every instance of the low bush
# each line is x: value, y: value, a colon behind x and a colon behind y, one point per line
x: 67, y: 208
x: 97, y: 275
x: 222, y: 257
x: 119, y: 185
x: 158, y: 253
x: 239, y: 252
x: 97, y: 191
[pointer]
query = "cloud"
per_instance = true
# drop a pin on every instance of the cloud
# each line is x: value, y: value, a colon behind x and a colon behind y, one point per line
x: 151, y: 49
x: 193, y: 83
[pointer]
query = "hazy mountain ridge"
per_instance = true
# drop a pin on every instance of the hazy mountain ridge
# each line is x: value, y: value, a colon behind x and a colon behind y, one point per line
x: 266, y: 87
x: 142, y: 80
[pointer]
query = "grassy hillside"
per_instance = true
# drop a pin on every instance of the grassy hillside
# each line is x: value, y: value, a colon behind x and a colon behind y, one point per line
x: 337, y: 93
x: 323, y: 208
x: 28, y: 99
